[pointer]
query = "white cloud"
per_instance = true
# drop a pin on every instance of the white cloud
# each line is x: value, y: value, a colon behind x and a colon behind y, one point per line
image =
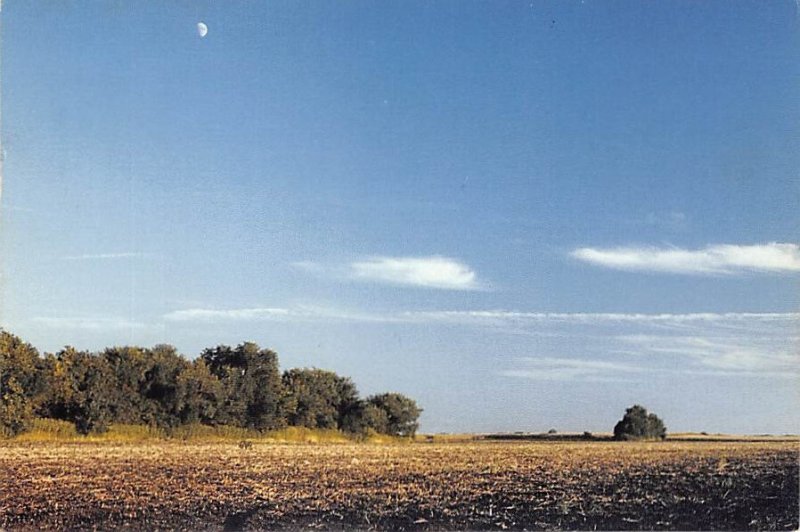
x: 717, y: 259
x: 88, y: 324
x: 107, y: 256
x: 429, y: 272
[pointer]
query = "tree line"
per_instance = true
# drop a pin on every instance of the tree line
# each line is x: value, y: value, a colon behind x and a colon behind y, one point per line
x: 239, y: 386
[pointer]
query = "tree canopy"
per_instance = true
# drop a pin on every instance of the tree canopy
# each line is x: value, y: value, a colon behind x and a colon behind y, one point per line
x: 401, y: 413
x: 240, y: 386
x: 638, y: 424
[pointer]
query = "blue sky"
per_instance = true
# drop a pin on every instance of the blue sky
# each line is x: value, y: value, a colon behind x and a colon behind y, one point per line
x: 525, y: 215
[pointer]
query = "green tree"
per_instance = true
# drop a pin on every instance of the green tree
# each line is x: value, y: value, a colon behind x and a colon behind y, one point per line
x: 252, y: 385
x: 318, y: 398
x: 159, y: 390
x: 81, y: 389
x: 365, y: 417
x: 129, y: 365
x: 638, y: 424
x: 401, y: 413
x: 200, y: 394
x: 18, y: 374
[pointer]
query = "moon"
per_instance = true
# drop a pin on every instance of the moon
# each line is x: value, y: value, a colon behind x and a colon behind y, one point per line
x: 202, y: 29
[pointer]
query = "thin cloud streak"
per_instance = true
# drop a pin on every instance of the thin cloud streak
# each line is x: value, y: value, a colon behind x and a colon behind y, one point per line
x: 300, y: 313
x: 570, y: 369
x: 722, y: 259
x: 243, y: 314
x: 477, y: 317
x: 88, y: 324
x: 494, y: 316
x: 107, y: 256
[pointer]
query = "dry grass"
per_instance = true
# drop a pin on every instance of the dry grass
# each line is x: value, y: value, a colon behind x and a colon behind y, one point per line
x: 44, y: 430
x: 532, y: 485
x: 53, y: 430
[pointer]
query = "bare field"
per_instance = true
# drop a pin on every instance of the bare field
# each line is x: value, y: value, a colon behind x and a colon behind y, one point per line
x: 481, y: 485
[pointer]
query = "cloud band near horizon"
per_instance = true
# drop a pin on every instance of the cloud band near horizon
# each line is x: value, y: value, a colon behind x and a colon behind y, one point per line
x: 306, y: 312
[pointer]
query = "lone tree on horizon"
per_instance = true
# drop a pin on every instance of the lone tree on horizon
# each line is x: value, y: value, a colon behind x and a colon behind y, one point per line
x: 637, y: 424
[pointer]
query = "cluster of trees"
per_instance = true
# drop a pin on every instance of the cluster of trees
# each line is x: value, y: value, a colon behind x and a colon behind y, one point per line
x: 240, y: 386
x: 637, y: 424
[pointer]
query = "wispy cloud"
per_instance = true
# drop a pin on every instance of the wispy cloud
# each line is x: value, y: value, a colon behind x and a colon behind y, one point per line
x: 298, y: 313
x: 88, y: 323
x: 428, y: 272
x: 717, y: 259
x: 242, y: 314
x: 570, y: 369
x: 108, y: 256
x: 733, y: 344
x: 730, y: 320
x: 731, y: 354
x: 673, y: 220
x: 614, y: 346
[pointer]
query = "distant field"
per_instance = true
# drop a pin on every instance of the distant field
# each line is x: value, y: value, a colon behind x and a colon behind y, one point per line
x: 457, y: 485
x: 600, y: 436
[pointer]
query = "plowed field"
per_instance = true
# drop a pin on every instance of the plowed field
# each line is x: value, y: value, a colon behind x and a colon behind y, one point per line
x: 482, y: 485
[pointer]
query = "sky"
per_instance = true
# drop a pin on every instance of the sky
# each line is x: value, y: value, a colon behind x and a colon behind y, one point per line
x: 524, y: 215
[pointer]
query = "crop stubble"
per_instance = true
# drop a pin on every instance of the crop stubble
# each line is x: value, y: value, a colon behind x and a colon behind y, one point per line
x: 482, y: 485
